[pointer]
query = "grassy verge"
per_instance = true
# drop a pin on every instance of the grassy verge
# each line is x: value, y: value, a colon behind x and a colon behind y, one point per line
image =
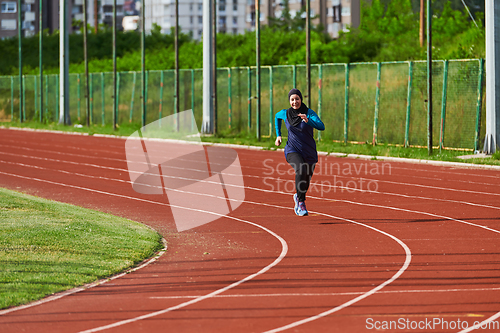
x: 47, y: 247
x: 268, y: 143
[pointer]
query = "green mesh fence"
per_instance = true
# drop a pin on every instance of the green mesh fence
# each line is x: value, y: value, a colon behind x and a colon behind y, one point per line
x: 333, y: 101
x: 393, y: 103
x: 348, y: 114
x: 462, y: 97
x: 362, y: 88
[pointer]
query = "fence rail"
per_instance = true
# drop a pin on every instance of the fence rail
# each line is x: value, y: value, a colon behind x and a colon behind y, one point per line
x: 358, y: 102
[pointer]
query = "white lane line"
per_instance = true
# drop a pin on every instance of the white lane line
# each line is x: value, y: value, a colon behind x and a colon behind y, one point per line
x: 340, y: 176
x: 452, y: 168
x: 87, y: 286
x: 360, y: 297
x: 407, y: 291
x: 313, y: 184
x: 410, y: 211
x: 284, y: 245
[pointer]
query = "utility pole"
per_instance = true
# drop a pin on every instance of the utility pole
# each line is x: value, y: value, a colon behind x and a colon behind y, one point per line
x: 115, y: 97
x: 143, y: 63
x: 177, y: 61
x: 86, y: 61
x: 214, y: 65
x: 308, y: 51
x: 63, y: 64
x: 429, y: 77
x: 257, y: 56
x: 208, y: 73
x: 20, y: 50
x: 40, y: 55
x: 492, y: 16
x: 96, y: 18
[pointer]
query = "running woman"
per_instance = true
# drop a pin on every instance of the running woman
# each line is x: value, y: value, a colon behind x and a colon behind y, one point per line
x: 300, y: 149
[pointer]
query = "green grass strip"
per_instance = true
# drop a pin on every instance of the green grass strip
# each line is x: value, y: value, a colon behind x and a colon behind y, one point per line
x: 47, y: 246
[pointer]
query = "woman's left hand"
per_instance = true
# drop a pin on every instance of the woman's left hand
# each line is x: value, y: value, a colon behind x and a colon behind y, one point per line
x: 304, y: 117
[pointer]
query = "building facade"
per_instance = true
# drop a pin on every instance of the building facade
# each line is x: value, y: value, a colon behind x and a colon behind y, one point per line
x: 233, y: 16
x: 9, y: 15
x: 333, y: 15
x: 230, y: 16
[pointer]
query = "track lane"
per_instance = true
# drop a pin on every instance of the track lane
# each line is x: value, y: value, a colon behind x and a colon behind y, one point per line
x: 365, y: 199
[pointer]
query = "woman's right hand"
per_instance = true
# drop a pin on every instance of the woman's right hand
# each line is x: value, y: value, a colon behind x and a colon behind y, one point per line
x: 278, y: 141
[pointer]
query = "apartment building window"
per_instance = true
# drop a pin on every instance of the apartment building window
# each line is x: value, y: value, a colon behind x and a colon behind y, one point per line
x: 200, y: 7
x: 235, y: 20
x: 107, y: 9
x: 191, y: 20
x: 9, y: 24
x: 9, y: 7
x: 200, y: 19
x: 336, y: 13
x: 235, y: 31
x: 222, y: 5
x: 191, y: 8
x: 235, y: 5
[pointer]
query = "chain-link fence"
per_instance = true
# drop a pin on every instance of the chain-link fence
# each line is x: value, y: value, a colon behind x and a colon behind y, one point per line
x: 359, y: 102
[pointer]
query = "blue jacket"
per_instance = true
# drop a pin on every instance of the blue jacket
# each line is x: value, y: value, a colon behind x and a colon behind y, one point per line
x: 301, y: 137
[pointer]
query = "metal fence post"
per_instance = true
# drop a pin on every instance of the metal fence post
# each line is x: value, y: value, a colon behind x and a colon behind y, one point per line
x: 443, y: 104
x: 271, y: 111
x: 146, y: 95
x: 294, y: 74
x: 46, y: 95
x: 320, y: 99
x: 229, y: 106
x: 117, y: 101
x: 408, y: 104
x: 24, y: 98
x: 35, y: 97
x: 160, y: 111
x: 11, y: 98
x: 132, y: 98
x: 479, y: 103
x: 249, y: 98
x: 346, y: 104
x: 57, y: 98
x: 91, y: 97
x: 103, y: 119
x: 192, y: 99
x: 377, y: 105
x: 78, y: 96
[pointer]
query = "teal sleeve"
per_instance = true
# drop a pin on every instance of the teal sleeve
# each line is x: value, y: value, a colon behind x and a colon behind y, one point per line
x: 314, y: 120
x: 277, y: 121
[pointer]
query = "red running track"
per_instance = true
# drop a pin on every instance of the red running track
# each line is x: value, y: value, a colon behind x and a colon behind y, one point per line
x: 386, y: 243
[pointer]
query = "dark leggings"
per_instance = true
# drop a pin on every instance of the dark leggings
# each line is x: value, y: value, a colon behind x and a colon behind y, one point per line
x: 303, y: 174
